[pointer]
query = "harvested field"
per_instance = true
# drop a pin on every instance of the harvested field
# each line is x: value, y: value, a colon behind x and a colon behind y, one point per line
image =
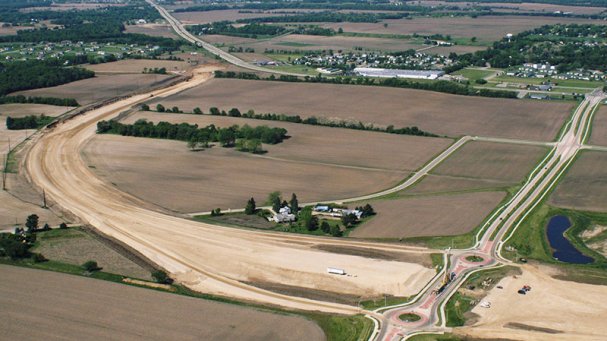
x: 599, y: 127
x: 485, y: 28
x: 60, y: 311
x: 443, y: 215
x: 444, y: 184
x: 523, y: 7
x: 508, y: 163
x: 154, y: 30
x: 14, y: 212
x: 570, y: 309
x: 584, y: 187
x: 229, y: 40
x: 76, y: 246
x: 307, y: 42
x: 102, y: 87
x: 20, y: 110
x: 437, y: 113
x: 213, y: 16
x: 319, y: 155
x: 459, y: 49
x: 137, y: 66
x: 325, y: 145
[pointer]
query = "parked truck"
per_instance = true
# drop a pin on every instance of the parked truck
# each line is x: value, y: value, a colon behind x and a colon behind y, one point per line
x: 336, y: 271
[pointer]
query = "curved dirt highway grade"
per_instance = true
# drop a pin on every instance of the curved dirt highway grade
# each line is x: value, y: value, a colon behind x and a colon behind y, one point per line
x: 208, y: 258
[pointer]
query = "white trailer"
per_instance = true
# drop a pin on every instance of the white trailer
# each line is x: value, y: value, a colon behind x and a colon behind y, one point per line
x: 336, y: 271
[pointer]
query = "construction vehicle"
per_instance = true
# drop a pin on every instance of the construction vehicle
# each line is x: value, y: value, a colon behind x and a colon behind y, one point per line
x: 524, y: 290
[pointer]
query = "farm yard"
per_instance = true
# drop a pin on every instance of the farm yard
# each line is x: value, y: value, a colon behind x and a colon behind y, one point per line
x: 224, y: 177
x: 423, y: 216
x: 437, y: 113
x: 100, y: 87
x: 599, y: 127
x: 64, y: 310
x: 584, y: 186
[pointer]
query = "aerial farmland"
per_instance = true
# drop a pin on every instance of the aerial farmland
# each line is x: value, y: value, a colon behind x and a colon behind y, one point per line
x: 290, y: 170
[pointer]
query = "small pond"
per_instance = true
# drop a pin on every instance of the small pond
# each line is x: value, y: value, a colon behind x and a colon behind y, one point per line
x: 562, y: 248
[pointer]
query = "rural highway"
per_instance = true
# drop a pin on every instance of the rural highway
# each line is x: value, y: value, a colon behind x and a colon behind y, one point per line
x: 430, y: 305
x: 180, y: 29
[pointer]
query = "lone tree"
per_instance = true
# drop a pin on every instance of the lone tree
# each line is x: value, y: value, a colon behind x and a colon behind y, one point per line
x: 197, y: 111
x: 145, y: 107
x: 161, y: 277
x: 335, y: 231
x: 90, y: 266
x: 63, y: 226
x: 46, y: 227
x: 294, y: 204
x: 325, y: 227
x: 32, y: 223
x: 160, y: 107
x: 276, y: 204
x: 250, y: 208
x: 312, y: 223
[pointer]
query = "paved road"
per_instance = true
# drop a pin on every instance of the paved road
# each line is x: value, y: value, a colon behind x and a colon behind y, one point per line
x: 182, y: 32
x: 430, y: 305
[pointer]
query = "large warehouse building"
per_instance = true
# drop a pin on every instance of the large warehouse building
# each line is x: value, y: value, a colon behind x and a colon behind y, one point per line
x: 398, y: 73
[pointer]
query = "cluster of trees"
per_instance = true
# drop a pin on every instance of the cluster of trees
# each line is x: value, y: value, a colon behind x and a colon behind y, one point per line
x: 33, y: 74
x: 27, y: 122
x: 438, y: 86
x: 62, y: 102
x: 327, y: 17
x: 248, y: 31
x: 195, y: 136
x: 239, y: 49
x: 314, y: 31
x: 156, y: 70
x: 542, y: 45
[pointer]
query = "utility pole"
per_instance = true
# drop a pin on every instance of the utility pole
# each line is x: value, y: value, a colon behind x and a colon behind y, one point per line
x: 43, y: 198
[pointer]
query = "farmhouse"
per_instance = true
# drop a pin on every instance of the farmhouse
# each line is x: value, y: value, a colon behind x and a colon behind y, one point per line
x: 398, y: 73
x: 282, y: 218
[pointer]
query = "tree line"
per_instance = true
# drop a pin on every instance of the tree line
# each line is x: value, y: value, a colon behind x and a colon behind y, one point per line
x: 27, y: 122
x: 248, y: 31
x: 61, y: 102
x: 34, y: 74
x: 312, y: 120
x: 245, y: 138
x: 437, y: 86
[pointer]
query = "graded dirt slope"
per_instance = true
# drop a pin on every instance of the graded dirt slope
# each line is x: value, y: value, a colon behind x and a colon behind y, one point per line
x: 428, y: 215
x: 438, y: 113
x: 101, y: 87
x: 491, y: 161
x: 599, y: 127
x: 563, y: 310
x: 336, y: 146
x: 41, y: 305
x: 213, y: 16
x: 584, y: 187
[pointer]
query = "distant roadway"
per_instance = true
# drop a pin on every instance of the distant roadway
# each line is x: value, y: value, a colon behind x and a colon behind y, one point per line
x: 180, y: 29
